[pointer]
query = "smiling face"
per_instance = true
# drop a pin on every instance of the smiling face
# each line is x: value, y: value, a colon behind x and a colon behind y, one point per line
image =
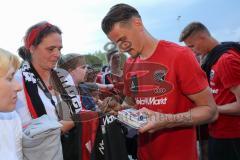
x: 8, y: 90
x: 128, y: 36
x: 46, y: 54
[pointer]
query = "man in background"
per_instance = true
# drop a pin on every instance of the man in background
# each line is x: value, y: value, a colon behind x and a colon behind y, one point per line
x: 222, y: 65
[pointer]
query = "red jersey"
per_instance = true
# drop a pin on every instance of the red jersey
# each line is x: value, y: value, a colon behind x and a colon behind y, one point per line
x: 225, y: 74
x: 162, y: 83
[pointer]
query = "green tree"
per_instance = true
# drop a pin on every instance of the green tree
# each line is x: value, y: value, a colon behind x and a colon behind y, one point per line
x: 94, y: 61
x: 99, y: 57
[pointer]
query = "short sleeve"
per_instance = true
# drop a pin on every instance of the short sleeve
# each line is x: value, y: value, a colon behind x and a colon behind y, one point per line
x: 191, y: 78
x: 229, y: 66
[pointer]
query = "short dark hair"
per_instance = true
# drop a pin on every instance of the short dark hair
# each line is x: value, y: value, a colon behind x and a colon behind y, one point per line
x: 118, y: 13
x: 191, y: 29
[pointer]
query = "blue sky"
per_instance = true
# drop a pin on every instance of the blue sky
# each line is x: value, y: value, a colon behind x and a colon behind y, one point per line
x: 80, y: 20
x: 221, y: 17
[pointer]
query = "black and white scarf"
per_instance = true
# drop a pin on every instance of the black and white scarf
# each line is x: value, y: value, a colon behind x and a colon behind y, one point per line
x: 64, y: 85
x: 31, y: 82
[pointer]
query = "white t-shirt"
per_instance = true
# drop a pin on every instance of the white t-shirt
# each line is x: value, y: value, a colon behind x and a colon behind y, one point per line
x: 10, y: 136
x: 22, y: 108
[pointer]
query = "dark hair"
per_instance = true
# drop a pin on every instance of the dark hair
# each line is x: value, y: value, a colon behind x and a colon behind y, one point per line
x: 191, y: 29
x: 104, y: 68
x: 45, y: 29
x: 118, y: 13
x: 91, y: 74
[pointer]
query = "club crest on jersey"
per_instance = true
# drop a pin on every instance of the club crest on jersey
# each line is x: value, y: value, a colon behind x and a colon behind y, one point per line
x: 159, y: 75
x: 147, y: 78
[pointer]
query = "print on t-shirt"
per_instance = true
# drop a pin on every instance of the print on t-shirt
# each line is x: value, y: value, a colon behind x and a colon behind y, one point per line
x: 147, y: 79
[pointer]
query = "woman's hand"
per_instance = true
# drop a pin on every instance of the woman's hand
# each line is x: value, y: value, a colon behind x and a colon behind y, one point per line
x: 67, y: 125
x: 110, y: 105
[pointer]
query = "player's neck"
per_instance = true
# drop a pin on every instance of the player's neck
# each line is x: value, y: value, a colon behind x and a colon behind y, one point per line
x: 149, y: 48
x: 212, y: 44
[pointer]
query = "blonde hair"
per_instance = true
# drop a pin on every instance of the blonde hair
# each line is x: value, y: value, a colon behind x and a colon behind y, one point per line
x: 7, y: 60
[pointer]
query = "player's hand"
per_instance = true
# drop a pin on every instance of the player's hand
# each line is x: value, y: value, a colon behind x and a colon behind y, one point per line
x: 156, y: 121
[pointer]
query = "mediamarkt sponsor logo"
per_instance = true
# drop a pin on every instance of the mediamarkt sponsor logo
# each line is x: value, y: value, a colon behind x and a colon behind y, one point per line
x: 151, y: 101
